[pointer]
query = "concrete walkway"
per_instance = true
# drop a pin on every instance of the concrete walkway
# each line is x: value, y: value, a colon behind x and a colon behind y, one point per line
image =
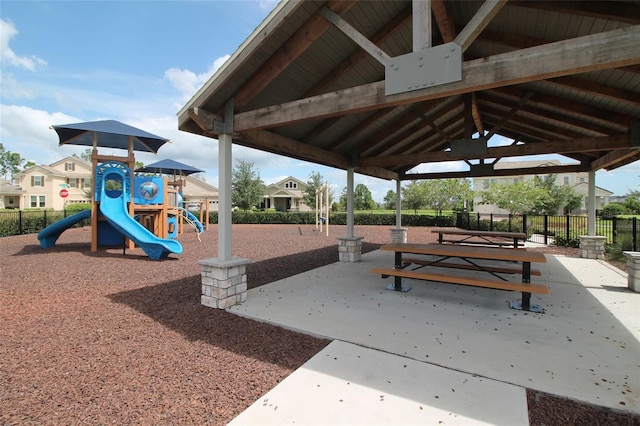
x: 449, y: 353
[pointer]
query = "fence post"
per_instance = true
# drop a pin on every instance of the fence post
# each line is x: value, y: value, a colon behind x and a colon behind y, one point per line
x: 478, y: 222
x: 634, y: 230
x: 491, y: 222
x: 45, y: 219
x: 614, y: 229
x: 510, y: 217
x: 19, y: 222
x: 524, y: 223
x: 567, y: 226
x: 546, y: 229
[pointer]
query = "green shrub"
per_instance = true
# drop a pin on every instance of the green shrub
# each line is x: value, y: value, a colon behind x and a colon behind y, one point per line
x: 571, y: 240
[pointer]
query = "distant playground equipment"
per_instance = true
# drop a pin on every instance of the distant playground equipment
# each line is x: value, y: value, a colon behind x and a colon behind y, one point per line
x: 126, y: 210
x: 322, y: 208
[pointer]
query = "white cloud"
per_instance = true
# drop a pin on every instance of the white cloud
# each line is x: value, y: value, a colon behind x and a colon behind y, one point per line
x: 188, y: 82
x: 8, y: 56
x: 12, y: 90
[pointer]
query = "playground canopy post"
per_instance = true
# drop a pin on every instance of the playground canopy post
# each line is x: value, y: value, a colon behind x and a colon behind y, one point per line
x: 322, y: 207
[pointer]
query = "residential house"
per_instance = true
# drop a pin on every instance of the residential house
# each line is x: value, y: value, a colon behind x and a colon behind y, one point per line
x: 43, y: 185
x: 578, y: 180
x: 286, y: 195
x: 10, y: 195
x: 195, y: 192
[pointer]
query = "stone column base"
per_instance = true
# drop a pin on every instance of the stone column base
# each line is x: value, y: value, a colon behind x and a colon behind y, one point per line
x: 591, y: 247
x: 350, y: 249
x: 633, y: 269
x: 224, y: 282
x: 399, y: 235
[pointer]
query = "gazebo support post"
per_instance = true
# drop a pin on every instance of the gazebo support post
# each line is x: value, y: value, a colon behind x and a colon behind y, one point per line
x: 350, y: 246
x: 224, y: 279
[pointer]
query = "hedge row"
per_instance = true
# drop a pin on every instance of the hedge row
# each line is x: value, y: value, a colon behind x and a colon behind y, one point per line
x: 31, y: 222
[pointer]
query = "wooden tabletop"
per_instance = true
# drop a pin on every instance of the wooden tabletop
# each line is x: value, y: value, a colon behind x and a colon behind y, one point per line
x: 471, y: 252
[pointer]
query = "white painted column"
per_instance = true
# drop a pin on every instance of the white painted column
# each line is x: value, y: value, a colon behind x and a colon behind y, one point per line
x: 224, y: 197
x: 350, y: 221
x: 398, y: 204
x: 399, y: 234
x: 591, y: 207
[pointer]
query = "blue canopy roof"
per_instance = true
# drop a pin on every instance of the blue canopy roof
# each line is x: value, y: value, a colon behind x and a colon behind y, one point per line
x: 109, y: 134
x: 169, y: 167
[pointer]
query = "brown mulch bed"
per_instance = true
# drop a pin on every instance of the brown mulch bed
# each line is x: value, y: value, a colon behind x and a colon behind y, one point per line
x: 102, y: 338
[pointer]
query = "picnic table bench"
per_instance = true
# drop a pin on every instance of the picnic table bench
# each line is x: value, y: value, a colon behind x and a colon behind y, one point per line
x: 470, y: 255
x: 487, y: 238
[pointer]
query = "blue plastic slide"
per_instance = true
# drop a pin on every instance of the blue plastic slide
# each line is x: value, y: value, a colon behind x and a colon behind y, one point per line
x: 49, y: 235
x: 193, y: 220
x: 113, y: 206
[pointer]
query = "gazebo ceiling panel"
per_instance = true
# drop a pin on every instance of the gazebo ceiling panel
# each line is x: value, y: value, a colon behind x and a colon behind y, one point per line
x: 302, y: 87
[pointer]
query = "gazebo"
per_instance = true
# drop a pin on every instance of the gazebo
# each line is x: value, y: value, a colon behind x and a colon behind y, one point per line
x: 379, y: 88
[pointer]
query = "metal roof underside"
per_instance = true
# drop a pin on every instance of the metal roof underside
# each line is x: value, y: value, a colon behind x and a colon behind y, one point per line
x: 556, y: 77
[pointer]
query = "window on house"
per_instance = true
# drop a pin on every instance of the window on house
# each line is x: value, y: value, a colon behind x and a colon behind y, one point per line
x: 69, y: 167
x: 37, y: 201
x: 485, y: 183
x: 73, y: 182
x: 86, y: 183
x: 516, y: 180
x: 582, y: 180
x: 566, y: 180
x: 37, y: 180
x: 291, y: 185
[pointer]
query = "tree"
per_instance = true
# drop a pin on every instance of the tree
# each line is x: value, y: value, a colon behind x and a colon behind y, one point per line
x: 86, y: 155
x: 447, y: 194
x: 413, y: 195
x: 247, y: 189
x: 362, y: 199
x: 559, y: 197
x: 390, y: 200
x: 9, y: 162
x: 632, y: 202
x: 315, y: 182
x: 519, y: 197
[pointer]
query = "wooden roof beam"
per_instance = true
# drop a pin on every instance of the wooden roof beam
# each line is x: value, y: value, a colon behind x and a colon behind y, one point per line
x: 480, y: 20
x: 562, y: 146
x: 289, y: 52
x: 588, y: 53
x: 569, y: 168
x: 272, y: 142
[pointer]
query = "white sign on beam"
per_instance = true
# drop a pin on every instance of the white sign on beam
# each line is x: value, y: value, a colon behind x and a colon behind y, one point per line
x: 435, y: 66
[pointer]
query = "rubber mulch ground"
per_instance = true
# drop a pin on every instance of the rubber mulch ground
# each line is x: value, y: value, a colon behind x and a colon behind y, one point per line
x: 107, y: 338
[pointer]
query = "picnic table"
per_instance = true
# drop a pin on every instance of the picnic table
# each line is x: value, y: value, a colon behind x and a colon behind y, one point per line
x: 471, y: 257
x: 488, y: 238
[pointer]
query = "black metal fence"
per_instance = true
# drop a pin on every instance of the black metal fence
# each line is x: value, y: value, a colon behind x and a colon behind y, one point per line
x: 19, y: 222
x: 562, y: 230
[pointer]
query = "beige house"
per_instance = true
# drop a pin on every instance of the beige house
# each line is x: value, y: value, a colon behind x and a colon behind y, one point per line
x: 42, y: 187
x: 197, y: 193
x: 578, y: 180
x: 286, y: 195
x: 10, y: 195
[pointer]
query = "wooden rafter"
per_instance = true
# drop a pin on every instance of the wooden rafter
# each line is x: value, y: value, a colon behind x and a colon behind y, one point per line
x: 562, y: 146
x: 571, y: 168
x: 289, y: 52
x: 613, y: 49
x: 480, y: 20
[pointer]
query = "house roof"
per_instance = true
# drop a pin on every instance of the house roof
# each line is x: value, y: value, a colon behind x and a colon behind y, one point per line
x: 355, y: 84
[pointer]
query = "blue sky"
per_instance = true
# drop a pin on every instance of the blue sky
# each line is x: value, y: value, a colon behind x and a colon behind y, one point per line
x: 139, y: 62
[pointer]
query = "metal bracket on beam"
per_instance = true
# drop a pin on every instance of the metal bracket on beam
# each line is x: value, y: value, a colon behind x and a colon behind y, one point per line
x: 479, y: 170
x: 435, y: 66
x: 470, y: 148
x: 225, y: 126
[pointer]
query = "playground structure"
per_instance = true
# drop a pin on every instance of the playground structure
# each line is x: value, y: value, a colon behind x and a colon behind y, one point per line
x: 129, y: 210
x: 322, y: 208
